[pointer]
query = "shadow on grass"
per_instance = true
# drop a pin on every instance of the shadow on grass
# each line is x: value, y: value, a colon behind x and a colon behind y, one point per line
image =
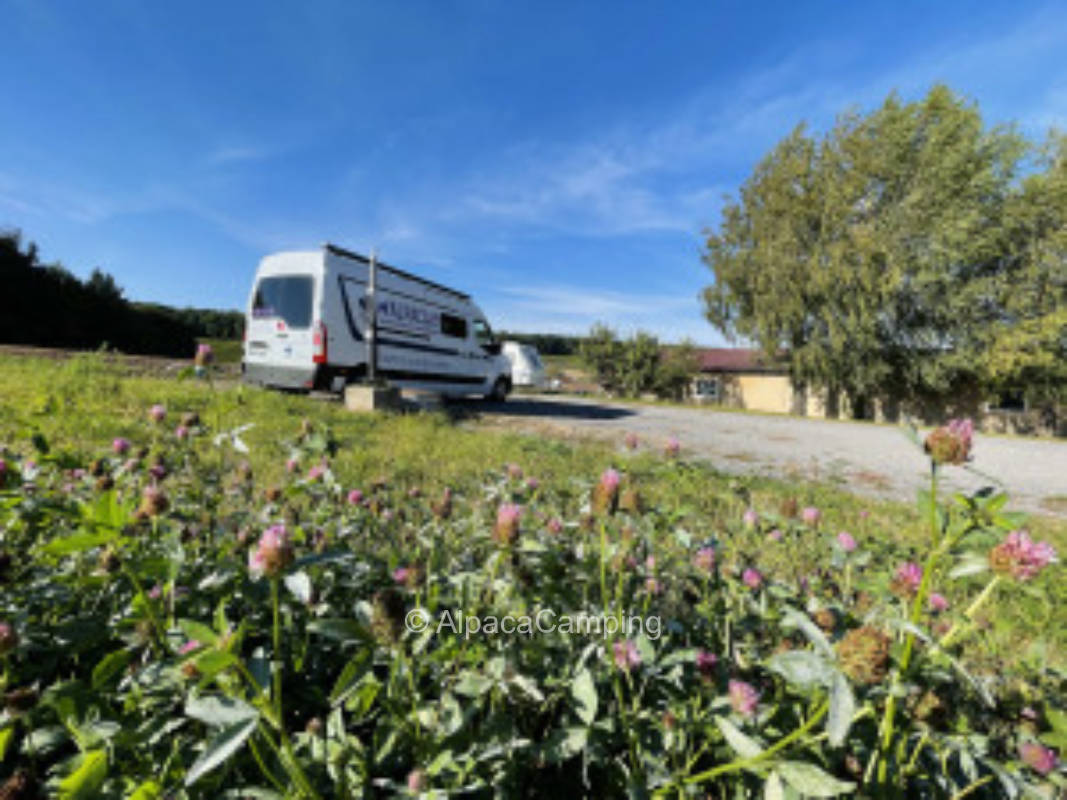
x: 534, y: 408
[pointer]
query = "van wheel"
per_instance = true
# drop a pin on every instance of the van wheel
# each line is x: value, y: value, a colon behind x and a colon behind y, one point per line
x: 500, y: 390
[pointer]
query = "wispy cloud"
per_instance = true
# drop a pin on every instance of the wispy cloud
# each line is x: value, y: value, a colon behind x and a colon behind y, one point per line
x: 561, y: 308
x: 630, y: 177
x: 572, y: 300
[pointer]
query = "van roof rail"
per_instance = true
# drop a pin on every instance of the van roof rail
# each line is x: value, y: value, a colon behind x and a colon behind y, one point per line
x: 340, y: 251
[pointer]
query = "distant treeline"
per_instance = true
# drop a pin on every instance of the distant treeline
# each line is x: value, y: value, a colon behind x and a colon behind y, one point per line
x: 549, y: 344
x: 48, y: 306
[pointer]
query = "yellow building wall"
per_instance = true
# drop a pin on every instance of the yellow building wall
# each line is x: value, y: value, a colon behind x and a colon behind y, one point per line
x: 773, y: 393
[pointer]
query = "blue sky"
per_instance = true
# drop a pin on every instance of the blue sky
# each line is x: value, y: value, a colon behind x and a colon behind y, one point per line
x: 560, y: 160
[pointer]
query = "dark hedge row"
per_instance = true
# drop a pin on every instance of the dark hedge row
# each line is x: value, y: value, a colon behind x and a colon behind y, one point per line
x: 46, y: 305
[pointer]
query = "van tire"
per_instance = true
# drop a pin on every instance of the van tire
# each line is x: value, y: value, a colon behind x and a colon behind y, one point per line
x: 500, y: 390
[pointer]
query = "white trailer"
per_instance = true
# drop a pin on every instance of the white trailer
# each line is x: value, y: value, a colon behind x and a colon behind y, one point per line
x: 526, y: 366
x: 308, y: 327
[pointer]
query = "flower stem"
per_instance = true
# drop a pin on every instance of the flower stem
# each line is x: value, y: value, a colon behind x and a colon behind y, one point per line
x: 909, y: 640
x: 157, y: 629
x: 603, y: 567
x: 290, y: 762
x: 276, y: 660
x: 970, y: 613
x: 745, y: 763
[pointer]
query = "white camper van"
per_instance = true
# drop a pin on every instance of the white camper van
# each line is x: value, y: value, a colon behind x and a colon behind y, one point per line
x: 307, y: 328
x: 526, y: 366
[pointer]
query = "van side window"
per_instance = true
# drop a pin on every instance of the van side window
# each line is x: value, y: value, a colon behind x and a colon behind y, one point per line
x: 453, y: 326
x: 482, y: 333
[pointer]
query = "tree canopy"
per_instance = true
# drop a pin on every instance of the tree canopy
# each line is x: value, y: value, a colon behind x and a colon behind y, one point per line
x: 638, y: 365
x: 905, y: 253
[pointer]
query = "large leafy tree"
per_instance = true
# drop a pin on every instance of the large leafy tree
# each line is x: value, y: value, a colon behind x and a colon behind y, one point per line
x: 883, y: 256
x: 1026, y: 346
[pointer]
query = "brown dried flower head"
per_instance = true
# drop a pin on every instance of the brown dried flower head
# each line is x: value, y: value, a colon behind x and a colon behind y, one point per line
x: 864, y: 654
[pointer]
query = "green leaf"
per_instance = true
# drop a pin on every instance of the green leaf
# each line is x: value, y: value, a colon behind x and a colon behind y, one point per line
x: 743, y: 744
x: 218, y: 710
x: 86, y: 780
x: 842, y: 709
x: 813, y: 781
x: 360, y: 702
x: 773, y: 789
x: 211, y: 662
x: 109, y: 666
x: 444, y: 759
x: 803, y: 668
x: 797, y: 619
x: 78, y: 543
x: 221, y: 748
x: 1012, y: 520
x: 529, y: 686
x: 349, y: 678
x: 6, y: 736
x: 583, y: 690
x: 300, y: 585
x: 341, y: 630
x: 996, y: 502
x: 686, y: 656
x: 566, y: 743
x: 969, y: 564
x: 1057, y: 719
x: 46, y: 740
x: 472, y: 684
x: 198, y: 631
x: 149, y: 790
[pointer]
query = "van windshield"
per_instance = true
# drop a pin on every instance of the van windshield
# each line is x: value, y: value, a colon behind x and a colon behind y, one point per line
x: 286, y: 297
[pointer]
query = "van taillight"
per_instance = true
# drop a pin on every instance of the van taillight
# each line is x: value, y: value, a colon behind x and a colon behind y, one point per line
x: 318, y: 343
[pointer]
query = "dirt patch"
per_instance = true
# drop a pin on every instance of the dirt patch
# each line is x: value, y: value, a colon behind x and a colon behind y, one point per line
x: 873, y: 480
x: 160, y: 366
x: 744, y: 458
x: 1057, y: 504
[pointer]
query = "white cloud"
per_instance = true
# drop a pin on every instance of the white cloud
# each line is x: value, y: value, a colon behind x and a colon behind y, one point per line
x: 558, y: 308
x: 571, y: 300
x: 632, y: 178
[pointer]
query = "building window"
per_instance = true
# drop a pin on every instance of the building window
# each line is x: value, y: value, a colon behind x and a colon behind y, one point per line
x: 707, y: 388
x: 1009, y: 401
x: 453, y: 326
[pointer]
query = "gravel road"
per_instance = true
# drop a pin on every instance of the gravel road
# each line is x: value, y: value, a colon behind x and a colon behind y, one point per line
x: 873, y: 459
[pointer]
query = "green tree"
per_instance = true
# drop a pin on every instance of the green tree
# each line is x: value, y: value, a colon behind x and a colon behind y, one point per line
x: 601, y: 351
x: 1026, y: 345
x: 640, y: 364
x: 676, y: 369
x: 872, y: 255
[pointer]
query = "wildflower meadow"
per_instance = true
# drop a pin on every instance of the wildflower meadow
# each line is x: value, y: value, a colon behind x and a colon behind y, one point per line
x: 209, y: 591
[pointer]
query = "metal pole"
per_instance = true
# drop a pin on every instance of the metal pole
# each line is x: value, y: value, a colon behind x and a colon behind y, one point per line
x: 372, y: 320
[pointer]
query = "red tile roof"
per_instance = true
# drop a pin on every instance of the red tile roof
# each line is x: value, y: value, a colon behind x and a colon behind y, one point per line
x: 734, y: 359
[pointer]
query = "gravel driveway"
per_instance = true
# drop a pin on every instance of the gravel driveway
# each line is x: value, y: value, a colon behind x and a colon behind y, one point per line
x: 873, y: 459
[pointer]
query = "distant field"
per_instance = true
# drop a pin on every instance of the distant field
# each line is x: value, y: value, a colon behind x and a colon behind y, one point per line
x: 227, y: 351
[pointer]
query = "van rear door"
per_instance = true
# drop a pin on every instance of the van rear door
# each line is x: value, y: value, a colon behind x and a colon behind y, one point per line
x: 280, y: 330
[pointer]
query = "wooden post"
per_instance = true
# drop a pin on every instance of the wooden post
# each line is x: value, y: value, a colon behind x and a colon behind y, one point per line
x: 372, y: 320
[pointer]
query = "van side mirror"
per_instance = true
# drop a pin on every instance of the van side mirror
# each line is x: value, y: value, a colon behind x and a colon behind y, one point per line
x: 492, y: 348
